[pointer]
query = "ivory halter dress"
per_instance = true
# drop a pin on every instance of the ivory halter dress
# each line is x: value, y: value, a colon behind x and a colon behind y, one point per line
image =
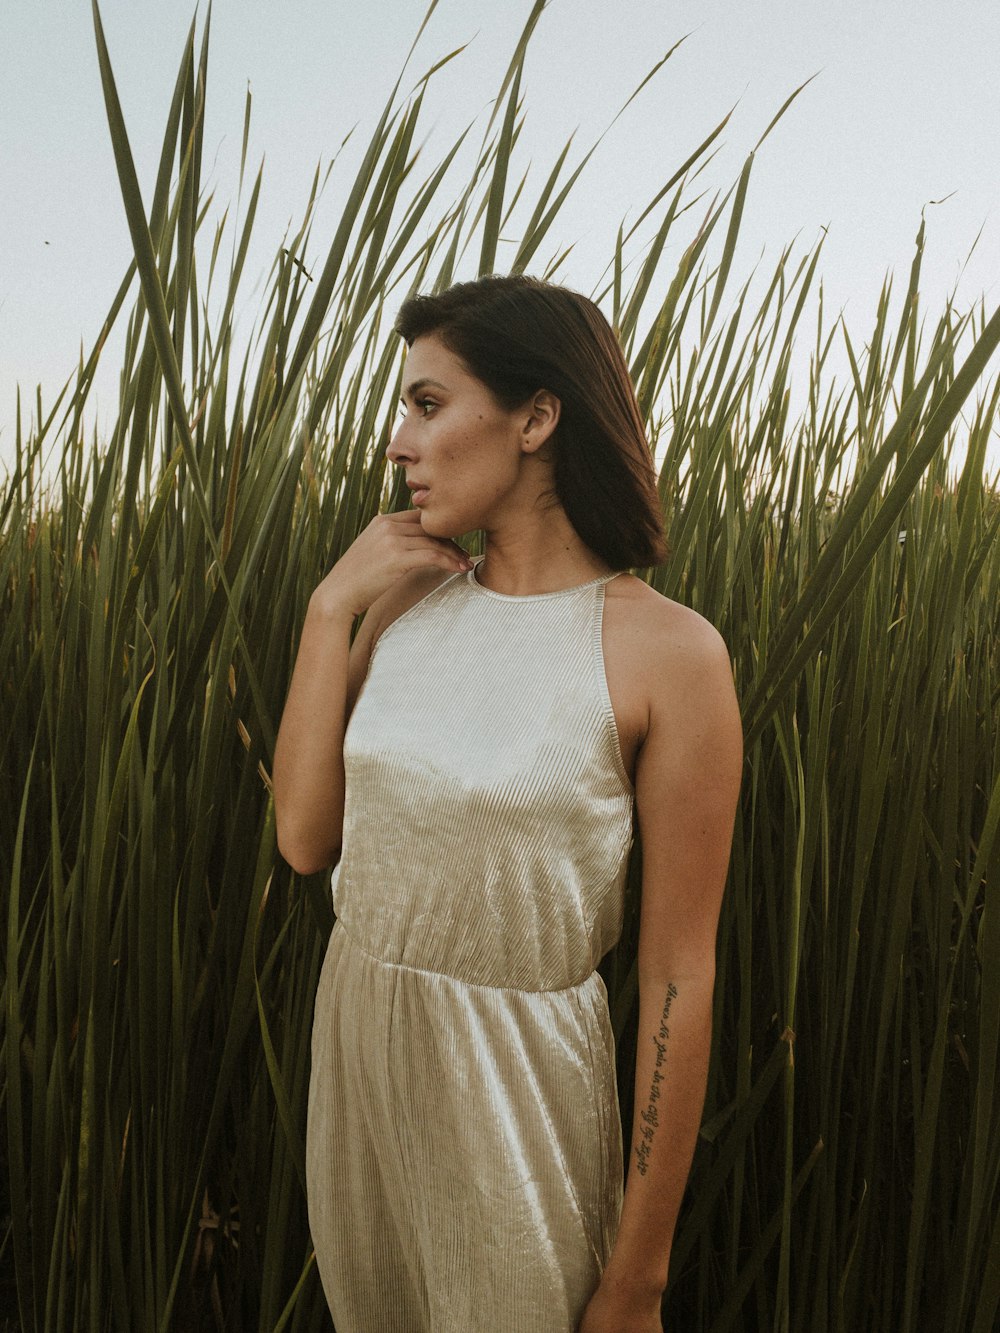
x: 464, y: 1145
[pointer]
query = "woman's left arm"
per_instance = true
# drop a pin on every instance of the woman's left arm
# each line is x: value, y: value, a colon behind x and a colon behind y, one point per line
x: 688, y: 775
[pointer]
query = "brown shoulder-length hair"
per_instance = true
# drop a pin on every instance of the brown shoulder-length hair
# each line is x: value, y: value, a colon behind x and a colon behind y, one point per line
x: 518, y: 334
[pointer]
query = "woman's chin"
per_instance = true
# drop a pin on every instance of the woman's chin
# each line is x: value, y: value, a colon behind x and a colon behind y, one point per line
x: 446, y: 524
x: 435, y: 525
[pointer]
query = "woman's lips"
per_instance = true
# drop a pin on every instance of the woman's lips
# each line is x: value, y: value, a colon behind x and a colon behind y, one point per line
x: 419, y: 496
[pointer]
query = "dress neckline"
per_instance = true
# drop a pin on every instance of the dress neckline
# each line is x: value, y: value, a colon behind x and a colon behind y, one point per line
x: 531, y: 596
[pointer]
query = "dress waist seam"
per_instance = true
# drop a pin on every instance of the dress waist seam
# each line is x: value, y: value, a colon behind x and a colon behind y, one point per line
x: 475, y: 985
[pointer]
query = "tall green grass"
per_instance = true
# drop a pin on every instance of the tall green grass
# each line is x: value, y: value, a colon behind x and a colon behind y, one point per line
x: 158, y: 960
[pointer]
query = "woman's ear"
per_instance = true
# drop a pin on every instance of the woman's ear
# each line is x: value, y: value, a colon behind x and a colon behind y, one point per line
x: 540, y: 420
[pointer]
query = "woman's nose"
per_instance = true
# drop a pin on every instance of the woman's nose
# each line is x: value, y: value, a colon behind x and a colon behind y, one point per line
x: 396, y: 450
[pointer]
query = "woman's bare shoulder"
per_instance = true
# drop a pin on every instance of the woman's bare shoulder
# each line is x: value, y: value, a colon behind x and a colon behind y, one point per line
x: 671, y: 650
x: 683, y: 683
x: 661, y: 620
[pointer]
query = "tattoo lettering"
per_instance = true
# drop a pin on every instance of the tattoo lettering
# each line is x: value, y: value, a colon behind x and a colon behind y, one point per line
x: 650, y: 1116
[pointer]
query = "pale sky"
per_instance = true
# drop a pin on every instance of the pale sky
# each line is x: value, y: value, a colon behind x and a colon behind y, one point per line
x: 905, y: 109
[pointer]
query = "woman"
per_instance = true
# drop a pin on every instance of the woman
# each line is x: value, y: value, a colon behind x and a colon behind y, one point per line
x: 506, y: 716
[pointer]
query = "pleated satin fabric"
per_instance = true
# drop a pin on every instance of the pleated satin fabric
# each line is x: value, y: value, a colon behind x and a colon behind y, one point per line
x: 464, y: 1145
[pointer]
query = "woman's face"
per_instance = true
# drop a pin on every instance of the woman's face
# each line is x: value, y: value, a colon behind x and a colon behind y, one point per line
x: 458, y: 441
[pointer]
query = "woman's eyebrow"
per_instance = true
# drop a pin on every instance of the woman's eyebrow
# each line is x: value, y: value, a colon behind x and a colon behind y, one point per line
x: 417, y: 385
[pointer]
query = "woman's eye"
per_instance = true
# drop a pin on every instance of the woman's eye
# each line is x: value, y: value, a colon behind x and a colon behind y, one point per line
x: 423, y: 404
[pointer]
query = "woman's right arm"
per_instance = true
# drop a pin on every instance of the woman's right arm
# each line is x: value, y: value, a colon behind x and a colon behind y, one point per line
x: 307, y: 773
x: 308, y: 769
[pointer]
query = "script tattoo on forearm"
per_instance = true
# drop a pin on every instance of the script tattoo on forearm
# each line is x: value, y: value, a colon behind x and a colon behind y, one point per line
x: 650, y: 1116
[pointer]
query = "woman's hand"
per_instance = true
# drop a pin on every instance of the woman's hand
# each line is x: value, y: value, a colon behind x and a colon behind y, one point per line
x: 389, y: 547
x: 618, y: 1310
